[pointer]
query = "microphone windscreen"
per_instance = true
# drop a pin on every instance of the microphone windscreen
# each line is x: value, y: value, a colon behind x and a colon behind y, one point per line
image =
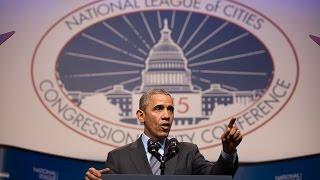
x: 151, y: 141
x: 173, y: 141
x: 173, y: 147
x: 153, y: 146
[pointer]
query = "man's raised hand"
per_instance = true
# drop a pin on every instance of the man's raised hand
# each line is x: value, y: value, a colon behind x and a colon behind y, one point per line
x: 231, y: 138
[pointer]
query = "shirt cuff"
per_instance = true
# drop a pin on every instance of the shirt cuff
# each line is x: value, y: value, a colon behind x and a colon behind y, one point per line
x: 230, y: 158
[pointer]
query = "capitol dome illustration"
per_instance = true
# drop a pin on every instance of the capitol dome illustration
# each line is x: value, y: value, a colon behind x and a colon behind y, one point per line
x: 166, y: 66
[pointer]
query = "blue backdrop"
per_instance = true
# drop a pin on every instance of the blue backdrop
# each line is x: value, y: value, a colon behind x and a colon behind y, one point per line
x: 17, y: 163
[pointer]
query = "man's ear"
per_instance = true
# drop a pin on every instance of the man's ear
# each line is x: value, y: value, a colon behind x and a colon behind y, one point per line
x: 140, y: 115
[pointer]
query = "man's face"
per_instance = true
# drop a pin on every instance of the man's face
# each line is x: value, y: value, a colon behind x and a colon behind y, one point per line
x: 157, y: 116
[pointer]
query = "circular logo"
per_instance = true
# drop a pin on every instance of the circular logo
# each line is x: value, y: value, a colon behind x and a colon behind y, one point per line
x: 219, y: 59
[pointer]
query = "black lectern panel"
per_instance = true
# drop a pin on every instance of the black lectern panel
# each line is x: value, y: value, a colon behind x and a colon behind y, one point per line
x: 164, y: 177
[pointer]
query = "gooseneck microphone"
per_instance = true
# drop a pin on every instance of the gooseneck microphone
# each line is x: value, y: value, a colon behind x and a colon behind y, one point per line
x: 173, y: 149
x: 153, y: 147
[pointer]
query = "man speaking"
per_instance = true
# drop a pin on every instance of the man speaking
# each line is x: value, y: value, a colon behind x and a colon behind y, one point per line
x: 153, y: 153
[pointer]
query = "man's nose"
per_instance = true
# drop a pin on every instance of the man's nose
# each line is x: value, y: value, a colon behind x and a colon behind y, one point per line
x: 166, y: 114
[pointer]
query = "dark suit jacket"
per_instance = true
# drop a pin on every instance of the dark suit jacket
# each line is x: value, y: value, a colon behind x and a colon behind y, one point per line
x: 132, y: 159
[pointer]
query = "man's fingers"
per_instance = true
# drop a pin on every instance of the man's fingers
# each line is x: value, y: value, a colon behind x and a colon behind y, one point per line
x: 235, y: 136
x: 239, y: 138
x: 95, y: 172
x: 225, y: 134
x: 90, y: 176
x: 104, y: 171
x: 230, y: 125
x: 232, y: 132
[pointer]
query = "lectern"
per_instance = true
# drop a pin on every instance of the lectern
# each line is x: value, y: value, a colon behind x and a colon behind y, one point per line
x: 164, y: 177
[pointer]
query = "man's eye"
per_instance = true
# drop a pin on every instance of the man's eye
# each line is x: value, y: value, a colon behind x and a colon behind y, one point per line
x: 171, y: 109
x: 158, y: 108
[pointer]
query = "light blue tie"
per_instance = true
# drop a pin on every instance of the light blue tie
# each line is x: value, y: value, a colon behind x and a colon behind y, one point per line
x: 155, y: 165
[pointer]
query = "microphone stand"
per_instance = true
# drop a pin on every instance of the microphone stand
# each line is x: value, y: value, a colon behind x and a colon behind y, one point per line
x: 173, y: 149
x: 163, y: 161
x: 162, y: 166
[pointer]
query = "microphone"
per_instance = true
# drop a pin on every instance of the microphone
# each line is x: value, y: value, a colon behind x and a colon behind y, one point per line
x: 173, y: 148
x: 153, y: 147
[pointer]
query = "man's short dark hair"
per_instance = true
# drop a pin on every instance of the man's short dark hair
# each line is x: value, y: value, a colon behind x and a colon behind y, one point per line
x: 147, y: 95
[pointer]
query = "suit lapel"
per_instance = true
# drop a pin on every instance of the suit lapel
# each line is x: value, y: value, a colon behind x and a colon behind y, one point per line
x: 139, y: 158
